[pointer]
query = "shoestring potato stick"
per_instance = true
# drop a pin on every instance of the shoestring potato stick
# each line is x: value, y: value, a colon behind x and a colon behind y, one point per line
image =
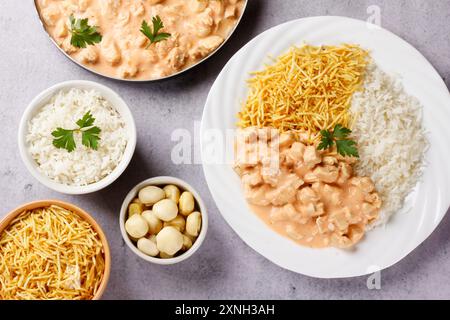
x: 50, y: 253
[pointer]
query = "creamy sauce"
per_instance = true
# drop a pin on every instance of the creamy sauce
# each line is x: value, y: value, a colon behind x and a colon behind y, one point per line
x: 312, y: 197
x: 197, y: 28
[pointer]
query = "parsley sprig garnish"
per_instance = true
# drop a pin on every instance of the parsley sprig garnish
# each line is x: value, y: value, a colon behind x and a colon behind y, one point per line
x: 154, y: 35
x: 82, y: 33
x: 339, y: 136
x: 64, y: 138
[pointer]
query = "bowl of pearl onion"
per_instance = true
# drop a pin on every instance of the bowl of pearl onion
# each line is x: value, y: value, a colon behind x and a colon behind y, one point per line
x: 163, y: 220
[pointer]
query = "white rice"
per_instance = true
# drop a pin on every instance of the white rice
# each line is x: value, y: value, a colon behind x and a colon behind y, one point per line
x: 84, y: 165
x: 391, y: 139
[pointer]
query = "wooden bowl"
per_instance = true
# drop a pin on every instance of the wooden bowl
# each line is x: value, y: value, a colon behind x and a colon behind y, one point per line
x: 4, y: 223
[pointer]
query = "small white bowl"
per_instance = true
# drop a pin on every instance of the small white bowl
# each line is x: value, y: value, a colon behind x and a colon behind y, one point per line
x: 44, y: 97
x: 163, y: 181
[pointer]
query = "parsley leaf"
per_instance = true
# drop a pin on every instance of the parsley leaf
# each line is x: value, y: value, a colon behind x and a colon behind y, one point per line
x: 347, y: 148
x: 82, y: 33
x: 344, y: 146
x: 153, y: 35
x: 64, y: 138
x: 86, y: 121
x: 327, y: 140
x: 90, y: 137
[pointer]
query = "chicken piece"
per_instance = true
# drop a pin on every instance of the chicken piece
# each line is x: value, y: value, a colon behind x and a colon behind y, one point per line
x: 161, y: 72
x: 248, y: 154
x: 266, y: 134
x: 339, y: 219
x: 364, y: 183
x: 50, y: 15
x: 353, y: 192
x: 307, y: 195
x: 89, y: 55
x: 311, y: 157
x: 257, y: 195
x: 129, y: 69
x: 140, y: 41
x: 61, y: 29
x: 333, y: 194
x: 316, y: 186
x: 205, y: 46
x: 352, y: 218
x: 285, y: 191
x: 327, y: 174
x: 355, y: 234
x: 324, y: 226
x: 345, y: 172
x: 164, y: 47
x: 285, y: 212
x: 369, y: 211
x: 247, y: 135
x: 177, y: 58
x: 198, y: 5
x: 83, y: 5
x: 271, y: 175
x: 285, y: 140
x: 348, y: 160
x: 217, y: 7
x: 112, y: 53
x: 295, y: 153
x: 310, y: 177
x: 374, y: 199
x: 137, y: 9
x: 230, y: 12
x: 123, y: 18
x: 110, y: 8
x: 330, y: 161
x: 312, y: 210
x: 263, y: 152
x: 67, y: 46
x: 253, y: 177
x: 68, y: 6
x: 210, y: 43
x: 150, y: 55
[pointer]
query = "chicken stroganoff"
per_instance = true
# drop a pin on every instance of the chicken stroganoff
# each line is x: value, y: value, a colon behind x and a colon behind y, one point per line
x: 321, y: 135
x: 306, y: 194
x: 118, y: 44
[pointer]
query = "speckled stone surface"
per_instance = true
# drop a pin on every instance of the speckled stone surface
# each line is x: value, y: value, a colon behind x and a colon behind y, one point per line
x: 224, y: 267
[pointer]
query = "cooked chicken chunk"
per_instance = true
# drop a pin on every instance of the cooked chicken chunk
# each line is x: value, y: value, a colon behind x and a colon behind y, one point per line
x: 285, y: 191
x: 311, y: 157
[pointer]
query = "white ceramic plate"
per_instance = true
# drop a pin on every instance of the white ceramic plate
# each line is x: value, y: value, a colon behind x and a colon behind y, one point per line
x: 383, y: 246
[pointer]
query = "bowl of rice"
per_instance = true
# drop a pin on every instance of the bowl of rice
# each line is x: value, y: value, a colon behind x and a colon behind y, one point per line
x: 52, y: 250
x: 77, y: 137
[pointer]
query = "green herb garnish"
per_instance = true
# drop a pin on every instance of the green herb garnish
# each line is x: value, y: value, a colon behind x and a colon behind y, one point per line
x: 153, y: 35
x: 82, y: 33
x: 339, y: 136
x: 64, y: 138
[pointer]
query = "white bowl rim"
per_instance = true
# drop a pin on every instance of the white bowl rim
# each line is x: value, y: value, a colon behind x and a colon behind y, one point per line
x: 159, y: 181
x: 43, y: 97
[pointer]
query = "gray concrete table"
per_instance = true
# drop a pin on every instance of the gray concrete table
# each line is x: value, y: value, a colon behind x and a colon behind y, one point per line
x: 224, y: 267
